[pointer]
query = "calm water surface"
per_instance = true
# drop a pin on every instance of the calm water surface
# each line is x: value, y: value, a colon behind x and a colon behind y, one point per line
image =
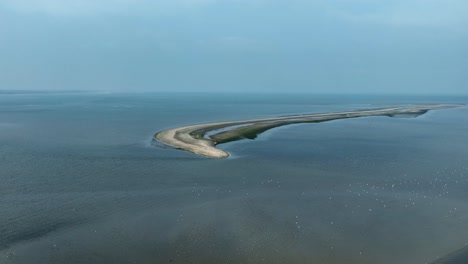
x: 81, y: 182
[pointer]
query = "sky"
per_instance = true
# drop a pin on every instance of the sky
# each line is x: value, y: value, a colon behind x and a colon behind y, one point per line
x: 264, y: 46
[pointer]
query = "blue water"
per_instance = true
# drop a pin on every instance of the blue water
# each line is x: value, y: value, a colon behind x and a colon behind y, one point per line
x: 82, y: 182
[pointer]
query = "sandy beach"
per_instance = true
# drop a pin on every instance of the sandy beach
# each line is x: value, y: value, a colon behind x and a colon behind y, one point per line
x: 192, y: 138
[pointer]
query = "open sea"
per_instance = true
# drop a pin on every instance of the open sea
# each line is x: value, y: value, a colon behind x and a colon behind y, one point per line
x: 82, y: 182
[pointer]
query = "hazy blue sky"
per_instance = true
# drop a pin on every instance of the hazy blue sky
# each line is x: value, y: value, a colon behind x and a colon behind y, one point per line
x: 323, y: 46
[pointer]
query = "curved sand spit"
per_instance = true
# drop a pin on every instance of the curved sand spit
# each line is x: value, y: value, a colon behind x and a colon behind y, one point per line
x: 192, y: 138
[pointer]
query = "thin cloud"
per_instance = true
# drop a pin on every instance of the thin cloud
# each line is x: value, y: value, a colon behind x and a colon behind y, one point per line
x: 398, y: 12
x: 430, y: 13
x: 93, y: 7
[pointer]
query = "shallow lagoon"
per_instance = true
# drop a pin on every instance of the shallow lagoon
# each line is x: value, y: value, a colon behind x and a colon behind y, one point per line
x: 82, y: 182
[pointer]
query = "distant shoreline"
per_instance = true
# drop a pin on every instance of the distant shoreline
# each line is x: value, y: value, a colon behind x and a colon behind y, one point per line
x: 192, y: 138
